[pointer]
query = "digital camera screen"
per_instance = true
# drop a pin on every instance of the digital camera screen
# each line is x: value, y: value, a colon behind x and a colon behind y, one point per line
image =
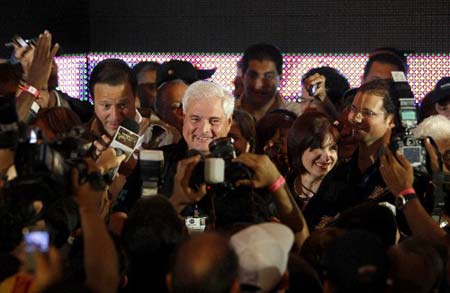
x: 36, y: 241
x: 413, y: 154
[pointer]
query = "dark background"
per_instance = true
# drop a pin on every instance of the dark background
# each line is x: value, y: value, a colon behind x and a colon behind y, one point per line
x: 230, y: 25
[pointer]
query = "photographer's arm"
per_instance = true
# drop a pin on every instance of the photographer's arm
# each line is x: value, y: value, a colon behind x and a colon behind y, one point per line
x: 100, y: 258
x: 183, y: 195
x: 398, y: 175
x: 266, y: 175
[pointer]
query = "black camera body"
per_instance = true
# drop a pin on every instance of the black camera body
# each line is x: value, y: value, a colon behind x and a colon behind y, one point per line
x: 219, y: 169
x: 404, y: 141
x: 44, y: 168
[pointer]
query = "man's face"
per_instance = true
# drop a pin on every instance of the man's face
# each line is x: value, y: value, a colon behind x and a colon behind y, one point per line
x: 203, y: 122
x: 171, y: 110
x: 368, y: 119
x: 261, y: 81
x: 147, y: 88
x: 112, y: 104
x: 380, y: 70
x: 443, y: 109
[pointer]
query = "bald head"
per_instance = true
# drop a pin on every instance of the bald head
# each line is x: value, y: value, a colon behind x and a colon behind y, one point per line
x: 205, y: 262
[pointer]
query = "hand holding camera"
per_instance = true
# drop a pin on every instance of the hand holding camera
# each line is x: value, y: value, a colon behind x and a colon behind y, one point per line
x: 396, y: 171
x: 265, y: 173
x: 183, y: 194
x: 315, y: 86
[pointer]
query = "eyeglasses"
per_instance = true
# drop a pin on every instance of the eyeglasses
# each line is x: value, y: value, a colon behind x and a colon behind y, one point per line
x: 364, y: 112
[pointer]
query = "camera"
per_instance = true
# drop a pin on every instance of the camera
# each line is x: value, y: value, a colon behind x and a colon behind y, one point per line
x: 218, y: 168
x: 44, y: 168
x: 312, y: 90
x: 35, y: 240
x: 412, y: 148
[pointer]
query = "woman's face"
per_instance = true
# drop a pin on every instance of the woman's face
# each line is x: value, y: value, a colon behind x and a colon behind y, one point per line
x: 240, y: 143
x: 276, y: 149
x: 318, y: 162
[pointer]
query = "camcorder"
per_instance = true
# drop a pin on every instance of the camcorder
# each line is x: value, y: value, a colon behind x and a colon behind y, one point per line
x: 44, y: 168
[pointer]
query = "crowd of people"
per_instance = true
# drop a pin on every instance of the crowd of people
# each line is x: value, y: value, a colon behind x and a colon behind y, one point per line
x: 255, y: 193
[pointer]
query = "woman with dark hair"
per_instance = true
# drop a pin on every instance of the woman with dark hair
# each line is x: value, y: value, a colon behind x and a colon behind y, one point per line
x: 56, y: 120
x: 312, y: 152
x: 243, y: 131
x: 271, y: 137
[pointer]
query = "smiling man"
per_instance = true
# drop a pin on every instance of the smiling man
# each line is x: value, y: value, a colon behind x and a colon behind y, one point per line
x: 373, y: 119
x: 207, y: 115
x: 113, y: 88
x: 262, y: 68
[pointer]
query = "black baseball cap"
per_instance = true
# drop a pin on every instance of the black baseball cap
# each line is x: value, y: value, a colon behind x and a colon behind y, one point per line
x: 441, y: 91
x: 184, y: 70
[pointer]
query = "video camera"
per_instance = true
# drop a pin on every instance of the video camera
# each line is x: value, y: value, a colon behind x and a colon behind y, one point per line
x: 44, y: 168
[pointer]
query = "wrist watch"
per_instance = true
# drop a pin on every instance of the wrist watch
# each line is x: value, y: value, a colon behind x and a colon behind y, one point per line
x: 402, y: 200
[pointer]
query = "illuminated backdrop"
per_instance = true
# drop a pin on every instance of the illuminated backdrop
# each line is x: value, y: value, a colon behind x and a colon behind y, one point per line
x: 424, y: 69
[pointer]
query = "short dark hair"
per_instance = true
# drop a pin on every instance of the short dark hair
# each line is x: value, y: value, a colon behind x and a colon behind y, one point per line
x: 219, y: 273
x: 260, y: 52
x: 336, y: 84
x: 151, y: 234
x: 112, y: 72
x: 382, y: 88
x: 247, y: 126
x: 387, y: 56
x: 145, y: 66
x: 59, y: 120
x: 308, y: 131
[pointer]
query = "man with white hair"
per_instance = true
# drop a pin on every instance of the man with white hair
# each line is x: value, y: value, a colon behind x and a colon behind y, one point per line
x: 438, y: 128
x: 207, y: 115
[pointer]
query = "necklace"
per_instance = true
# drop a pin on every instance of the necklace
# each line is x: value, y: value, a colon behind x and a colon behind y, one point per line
x: 301, y: 190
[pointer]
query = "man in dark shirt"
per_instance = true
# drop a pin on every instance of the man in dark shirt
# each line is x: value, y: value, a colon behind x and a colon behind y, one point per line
x: 207, y: 112
x: 372, y: 118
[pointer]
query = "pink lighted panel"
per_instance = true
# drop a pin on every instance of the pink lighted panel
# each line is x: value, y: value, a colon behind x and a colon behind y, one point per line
x: 425, y: 69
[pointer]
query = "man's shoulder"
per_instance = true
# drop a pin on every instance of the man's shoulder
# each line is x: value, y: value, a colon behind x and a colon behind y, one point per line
x: 291, y: 106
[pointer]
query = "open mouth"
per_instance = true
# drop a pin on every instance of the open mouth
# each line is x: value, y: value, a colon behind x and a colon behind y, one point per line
x: 322, y: 165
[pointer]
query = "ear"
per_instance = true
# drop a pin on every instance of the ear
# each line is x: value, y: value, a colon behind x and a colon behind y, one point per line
x: 391, y: 121
x: 437, y: 108
x: 230, y: 122
x: 236, y: 287
x: 283, y: 285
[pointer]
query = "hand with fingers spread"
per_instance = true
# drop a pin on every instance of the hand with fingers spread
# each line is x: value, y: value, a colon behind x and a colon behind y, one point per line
x: 183, y: 194
x: 396, y: 171
x: 265, y: 171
